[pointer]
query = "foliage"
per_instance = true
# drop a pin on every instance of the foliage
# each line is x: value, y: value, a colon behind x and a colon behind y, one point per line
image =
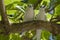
x: 15, y: 11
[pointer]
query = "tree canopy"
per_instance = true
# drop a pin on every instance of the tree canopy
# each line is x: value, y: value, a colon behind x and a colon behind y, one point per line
x: 12, y: 25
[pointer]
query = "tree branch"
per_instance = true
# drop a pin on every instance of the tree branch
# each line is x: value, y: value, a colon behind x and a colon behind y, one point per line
x: 4, y: 16
x: 33, y: 25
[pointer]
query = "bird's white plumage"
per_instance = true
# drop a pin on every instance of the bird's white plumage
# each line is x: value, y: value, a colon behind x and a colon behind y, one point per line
x: 41, y: 15
x: 29, y: 14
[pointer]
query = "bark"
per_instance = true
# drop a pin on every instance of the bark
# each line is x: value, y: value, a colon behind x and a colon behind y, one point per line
x: 32, y: 25
x: 4, y: 16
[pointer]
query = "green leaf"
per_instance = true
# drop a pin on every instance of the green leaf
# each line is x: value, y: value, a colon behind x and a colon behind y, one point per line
x: 57, y: 12
x: 10, y: 1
